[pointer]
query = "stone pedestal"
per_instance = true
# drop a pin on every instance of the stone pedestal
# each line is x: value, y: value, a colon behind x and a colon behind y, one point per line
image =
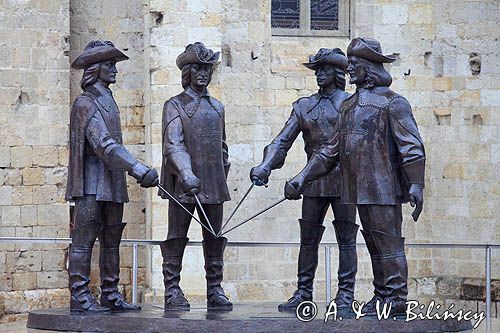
x: 250, y: 317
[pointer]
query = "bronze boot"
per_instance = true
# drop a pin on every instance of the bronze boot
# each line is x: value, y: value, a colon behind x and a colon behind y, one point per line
x: 346, y: 233
x: 213, y: 250
x: 172, y: 251
x: 394, y: 269
x: 378, y: 277
x: 109, y: 265
x: 80, y: 256
x: 310, y: 237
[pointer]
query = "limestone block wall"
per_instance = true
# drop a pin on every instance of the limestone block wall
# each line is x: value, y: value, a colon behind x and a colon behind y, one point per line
x: 447, y: 67
x: 34, y: 99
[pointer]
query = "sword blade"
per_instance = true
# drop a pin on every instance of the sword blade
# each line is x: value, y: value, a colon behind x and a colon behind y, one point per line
x: 204, y: 214
x: 237, y: 207
x: 253, y: 216
x: 183, y: 207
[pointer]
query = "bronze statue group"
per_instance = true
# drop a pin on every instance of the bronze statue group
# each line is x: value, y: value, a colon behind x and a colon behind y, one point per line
x: 363, y: 150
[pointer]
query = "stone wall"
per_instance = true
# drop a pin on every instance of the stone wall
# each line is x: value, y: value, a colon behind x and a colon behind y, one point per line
x: 447, y: 67
x: 34, y: 99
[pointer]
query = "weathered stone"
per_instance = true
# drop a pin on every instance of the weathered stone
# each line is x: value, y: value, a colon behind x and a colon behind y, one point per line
x: 4, y: 157
x: 45, y: 156
x: 25, y: 261
x: 5, y: 195
x: 11, y: 215
x: 33, y: 176
x: 21, y: 157
x: 24, y: 280
x: 52, y: 279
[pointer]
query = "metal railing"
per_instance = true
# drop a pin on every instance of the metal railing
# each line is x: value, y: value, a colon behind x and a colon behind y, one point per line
x: 328, y: 246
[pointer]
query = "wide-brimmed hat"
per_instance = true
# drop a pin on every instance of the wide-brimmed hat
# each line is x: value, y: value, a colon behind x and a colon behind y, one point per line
x: 98, y: 51
x: 327, y: 56
x: 197, y: 53
x: 369, y: 49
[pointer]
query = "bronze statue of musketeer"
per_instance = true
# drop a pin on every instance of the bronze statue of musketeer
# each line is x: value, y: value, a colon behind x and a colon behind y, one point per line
x: 194, y: 170
x: 96, y: 180
x: 316, y: 117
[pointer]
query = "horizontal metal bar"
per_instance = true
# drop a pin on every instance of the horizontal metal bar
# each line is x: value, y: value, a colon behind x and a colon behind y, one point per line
x: 245, y: 244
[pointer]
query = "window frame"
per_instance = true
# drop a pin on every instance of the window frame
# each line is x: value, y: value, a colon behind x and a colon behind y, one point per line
x: 344, y: 29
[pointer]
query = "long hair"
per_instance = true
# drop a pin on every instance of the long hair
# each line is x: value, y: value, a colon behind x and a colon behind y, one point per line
x: 376, y: 75
x: 340, y: 78
x: 186, y: 75
x: 90, y: 75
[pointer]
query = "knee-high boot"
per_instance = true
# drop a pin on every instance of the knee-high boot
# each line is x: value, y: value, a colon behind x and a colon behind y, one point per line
x: 109, y: 265
x: 394, y: 270
x: 310, y: 237
x: 213, y: 250
x: 345, y: 233
x: 172, y: 251
x: 80, y: 255
x: 378, y: 277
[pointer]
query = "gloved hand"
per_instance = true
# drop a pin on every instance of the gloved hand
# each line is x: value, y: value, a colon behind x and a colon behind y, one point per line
x: 416, y: 193
x: 150, y: 179
x: 294, y: 187
x: 259, y: 175
x: 191, y: 185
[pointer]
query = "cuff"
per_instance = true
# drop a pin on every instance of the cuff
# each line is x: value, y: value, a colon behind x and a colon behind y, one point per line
x: 415, y: 171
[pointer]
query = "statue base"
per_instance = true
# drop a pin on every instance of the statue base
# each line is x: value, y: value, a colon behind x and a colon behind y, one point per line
x: 246, y: 317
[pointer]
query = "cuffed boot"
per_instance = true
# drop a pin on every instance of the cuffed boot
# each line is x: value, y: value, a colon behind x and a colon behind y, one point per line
x: 310, y: 237
x: 213, y: 250
x: 378, y: 277
x: 172, y: 251
x: 346, y: 233
x: 109, y: 265
x: 80, y: 255
x: 394, y: 270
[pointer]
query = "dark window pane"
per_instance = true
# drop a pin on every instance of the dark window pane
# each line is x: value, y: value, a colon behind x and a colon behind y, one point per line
x: 285, y: 14
x: 324, y: 14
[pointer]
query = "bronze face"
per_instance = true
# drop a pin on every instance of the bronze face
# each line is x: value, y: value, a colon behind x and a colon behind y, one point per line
x: 107, y: 72
x: 357, y: 73
x: 201, y: 75
x: 325, y: 75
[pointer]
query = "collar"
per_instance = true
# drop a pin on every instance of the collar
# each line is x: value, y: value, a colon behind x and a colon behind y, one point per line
x: 193, y: 94
x: 192, y: 106
x: 330, y: 96
x: 319, y: 96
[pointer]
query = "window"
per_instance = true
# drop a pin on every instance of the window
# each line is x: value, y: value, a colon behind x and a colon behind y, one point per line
x: 310, y: 17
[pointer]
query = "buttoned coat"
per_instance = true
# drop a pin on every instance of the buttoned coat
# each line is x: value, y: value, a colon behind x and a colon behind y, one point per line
x: 379, y: 148
x: 316, y: 117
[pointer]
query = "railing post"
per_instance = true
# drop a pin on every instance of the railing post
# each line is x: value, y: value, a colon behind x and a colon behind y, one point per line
x: 134, y: 273
x: 328, y: 274
x: 488, y: 288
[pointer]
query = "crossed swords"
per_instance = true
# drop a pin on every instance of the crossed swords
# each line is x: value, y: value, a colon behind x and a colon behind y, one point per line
x: 210, y: 229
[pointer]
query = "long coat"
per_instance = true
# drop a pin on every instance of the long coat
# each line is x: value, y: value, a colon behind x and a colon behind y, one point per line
x: 97, y: 158
x: 194, y: 138
x: 316, y: 117
x: 378, y: 146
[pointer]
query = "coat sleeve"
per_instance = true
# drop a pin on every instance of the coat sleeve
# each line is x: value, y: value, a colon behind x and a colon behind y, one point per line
x: 113, y: 154
x: 275, y: 153
x: 408, y: 141
x: 178, y: 160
